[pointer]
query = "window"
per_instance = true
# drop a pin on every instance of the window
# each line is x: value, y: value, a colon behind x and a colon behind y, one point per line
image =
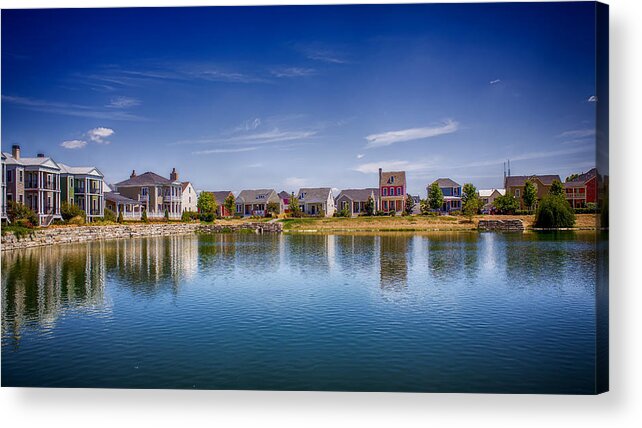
x: 21, y: 176
x: 517, y: 193
x: 9, y: 176
x: 144, y: 191
x: 391, y: 180
x: 385, y: 191
x: 398, y: 191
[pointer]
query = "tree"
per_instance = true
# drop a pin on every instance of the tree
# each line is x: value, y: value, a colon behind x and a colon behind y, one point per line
x: 409, y: 205
x: 206, y: 205
x: 557, y: 188
x: 120, y: 217
x: 554, y: 211
x: 435, y: 196
x: 109, y: 215
x: 166, y: 214
x: 69, y: 211
x: 470, y: 201
x: 370, y: 206
x: 22, y: 214
x: 424, y: 207
x: 273, y: 208
x: 229, y: 204
x: 295, y: 209
x: 530, y: 195
x: 143, y: 216
x: 571, y: 177
x: 506, y: 204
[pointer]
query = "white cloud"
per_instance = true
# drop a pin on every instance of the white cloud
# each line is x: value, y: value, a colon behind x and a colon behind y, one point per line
x: 392, y: 137
x: 360, y: 155
x: 592, y: 99
x: 99, y: 134
x: 73, y: 144
x: 70, y: 109
x: 577, y: 133
x: 213, y: 151
x: 265, y: 137
x: 496, y: 81
x: 293, y: 72
x: 393, y: 165
x: 295, y: 182
x: 123, y: 102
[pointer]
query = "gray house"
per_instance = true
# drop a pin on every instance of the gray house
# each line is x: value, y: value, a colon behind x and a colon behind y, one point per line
x: 356, y: 199
x: 254, y: 202
x: 316, y: 201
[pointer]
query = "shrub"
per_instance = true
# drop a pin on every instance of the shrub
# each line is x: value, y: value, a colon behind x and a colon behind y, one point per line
x: 188, y: 216
x: 370, y: 206
x: 506, y: 204
x: 166, y: 215
x: 585, y: 210
x: 207, y: 217
x: 554, y: 211
x: 143, y: 217
x: 17, y: 211
x: 345, y: 212
x: 78, y: 220
x: 109, y: 215
x: 69, y: 211
x: 120, y: 217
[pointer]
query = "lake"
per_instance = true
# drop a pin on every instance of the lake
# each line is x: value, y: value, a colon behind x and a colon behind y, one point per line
x: 438, y: 312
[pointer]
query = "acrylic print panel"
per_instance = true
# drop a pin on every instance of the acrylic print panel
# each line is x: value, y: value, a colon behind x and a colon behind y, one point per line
x: 348, y: 198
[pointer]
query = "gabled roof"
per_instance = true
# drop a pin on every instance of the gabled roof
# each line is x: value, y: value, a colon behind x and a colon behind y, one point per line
x: 80, y: 170
x: 400, y: 178
x: 519, y: 180
x: 45, y: 162
x: 256, y: 195
x: 583, y: 178
x: 184, y: 185
x: 314, y: 195
x: 485, y: 193
x: 446, y: 182
x: 120, y: 199
x: 284, y: 195
x: 220, y: 196
x: 357, y: 194
x: 146, y: 179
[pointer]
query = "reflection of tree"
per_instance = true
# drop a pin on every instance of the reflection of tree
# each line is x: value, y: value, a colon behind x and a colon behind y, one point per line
x: 39, y: 284
x: 393, y: 261
x: 310, y: 254
x: 356, y: 254
x: 451, y: 254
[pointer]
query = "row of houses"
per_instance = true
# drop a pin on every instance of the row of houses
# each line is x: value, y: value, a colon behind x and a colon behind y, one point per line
x: 43, y: 185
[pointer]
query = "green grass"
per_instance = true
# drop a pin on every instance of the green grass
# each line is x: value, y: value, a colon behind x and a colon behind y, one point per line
x: 19, y: 231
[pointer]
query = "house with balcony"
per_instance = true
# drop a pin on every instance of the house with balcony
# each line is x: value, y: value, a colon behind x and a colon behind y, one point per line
x: 83, y: 186
x: 514, y: 185
x: 157, y: 194
x: 189, y: 197
x: 35, y: 182
x: 131, y: 209
x: 255, y: 202
x: 355, y: 200
x: 582, y: 189
x: 452, y: 194
x: 392, y: 190
x: 316, y: 201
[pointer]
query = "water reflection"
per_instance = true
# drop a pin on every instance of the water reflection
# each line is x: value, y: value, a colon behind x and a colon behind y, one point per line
x: 393, y: 261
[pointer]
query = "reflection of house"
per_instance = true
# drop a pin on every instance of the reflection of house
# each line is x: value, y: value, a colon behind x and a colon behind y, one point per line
x: 356, y: 200
x: 514, y: 185
x: 83, y: 186
x: 392, y: 190
x: 393, y: 261
x: 188, y: 197
x: 316, y: 201
x: 255, y: 202
x: 488, y: 196
x: 34, y: 182
x: 156, y: 193
x: 582, y: 189
x: 220, y: 197
x: 452, y: 194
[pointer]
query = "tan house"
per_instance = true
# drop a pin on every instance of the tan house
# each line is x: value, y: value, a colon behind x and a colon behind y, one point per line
x: 157, y: 194
x: 255, y: 202
x: 355, y: 200
x: 514, y: 185
x: 316, y: 201
x: 392, y: 190
x: 189, y: 198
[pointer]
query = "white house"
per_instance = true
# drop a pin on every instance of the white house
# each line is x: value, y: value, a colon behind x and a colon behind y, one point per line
x: 316, y: 201
x: 189, y: 198
x: 488, y: 196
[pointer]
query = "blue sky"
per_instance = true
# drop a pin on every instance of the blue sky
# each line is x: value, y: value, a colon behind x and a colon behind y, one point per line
x: 283, y: 97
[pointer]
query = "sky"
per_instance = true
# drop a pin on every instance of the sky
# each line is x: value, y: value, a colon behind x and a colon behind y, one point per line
x: 316, y: 96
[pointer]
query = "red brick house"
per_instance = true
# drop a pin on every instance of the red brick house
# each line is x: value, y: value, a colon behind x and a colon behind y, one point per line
x: 582, y: 189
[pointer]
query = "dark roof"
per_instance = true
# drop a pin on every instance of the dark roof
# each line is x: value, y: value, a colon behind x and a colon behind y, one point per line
x: 250, y: 196
x: 446, y: 182
x: 284, y: 195
x: 120, y: 199
x: 400, y: 178
x: 519, y: 180
x: 146, y: 179
x: 314, y: 195
x: 184, y: 185
x: 357, y: 194
x: 583, y: 178
x: 220, y: 195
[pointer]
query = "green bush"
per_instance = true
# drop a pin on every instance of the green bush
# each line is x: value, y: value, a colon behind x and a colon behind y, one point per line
x: 554, y: 211
x: 585, y: 210
x: 166, y: 215
x: 188, y: 216
x: 69, y: 211
x: 109, y: 215
x: 506, y: 204
x: 17, y: 211
x: 78, y: 220
x: 120, y: 217
x: 143, y: 217
x: 207, y: 217
x: 345, y: 212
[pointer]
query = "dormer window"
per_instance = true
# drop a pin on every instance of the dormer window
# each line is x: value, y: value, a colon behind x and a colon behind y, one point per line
x: 391, y: 180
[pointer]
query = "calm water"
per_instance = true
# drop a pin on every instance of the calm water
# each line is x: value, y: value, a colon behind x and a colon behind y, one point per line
x: 391, y: 312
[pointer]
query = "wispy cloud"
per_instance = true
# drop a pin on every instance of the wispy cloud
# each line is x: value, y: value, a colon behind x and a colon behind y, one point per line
x: 273, y: 136
x: 293, y: 72
x: 229, y: 150
x: 123, y: 102
x: 392, y: 165
x: 295, y: 182
x: 325, y: 55
x: 496, y: 81
x: 70, y: 109
x: 578, y: 133
x: 592, y: 99
x: 99, y: 135
x: 360, y: 155
x: 73, y: 144
x: 392, y: 137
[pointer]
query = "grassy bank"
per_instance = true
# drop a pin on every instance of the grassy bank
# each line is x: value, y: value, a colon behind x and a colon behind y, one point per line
x: 412, y: 223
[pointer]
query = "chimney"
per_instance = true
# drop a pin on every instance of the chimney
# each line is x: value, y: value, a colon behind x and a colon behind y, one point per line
x: 40, y: 155
x: 173, y: 175
x: 15, y: 151
x: 379, y: 177
x: 133, y: 174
